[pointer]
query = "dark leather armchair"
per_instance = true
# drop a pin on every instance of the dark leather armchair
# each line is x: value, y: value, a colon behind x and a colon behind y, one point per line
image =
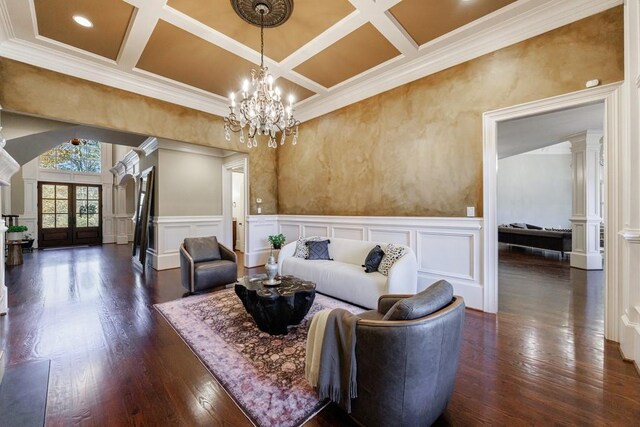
x: 406, y: 369
x: 206, y: 264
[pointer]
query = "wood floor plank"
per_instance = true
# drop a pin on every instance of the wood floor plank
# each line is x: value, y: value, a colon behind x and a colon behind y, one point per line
x: 542, y: 360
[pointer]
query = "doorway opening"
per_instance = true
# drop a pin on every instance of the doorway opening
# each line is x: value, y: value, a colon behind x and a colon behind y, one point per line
x: 550, y: 211
x: 69, y: 214
x: 235, y: 205
x: 608, y: 95
x: 238, y: 208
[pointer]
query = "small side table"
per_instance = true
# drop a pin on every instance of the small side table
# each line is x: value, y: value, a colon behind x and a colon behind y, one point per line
x: 15, y: 252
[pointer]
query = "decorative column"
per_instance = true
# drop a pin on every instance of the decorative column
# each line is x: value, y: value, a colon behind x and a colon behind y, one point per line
x: 585, y: 218
x: 8, y: 166
x: 629, y: 173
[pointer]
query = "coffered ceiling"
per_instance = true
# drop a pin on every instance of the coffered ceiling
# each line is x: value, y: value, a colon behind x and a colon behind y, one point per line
x: 330, y: 53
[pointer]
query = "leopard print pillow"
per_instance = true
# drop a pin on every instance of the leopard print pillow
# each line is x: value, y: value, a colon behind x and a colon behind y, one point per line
x: 392, y: 254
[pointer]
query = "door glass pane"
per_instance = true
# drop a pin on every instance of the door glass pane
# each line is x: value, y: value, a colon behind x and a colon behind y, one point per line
x: 93, y: 207
x: 62, y: 191
x: 48, y: 221
x: 48, y: 206
x: 93, y: 193
x: 81, y: 193
x: 48, y: 191
x: 81, y: 221
x: 94, y: 220
x: 62, y: 206
x: 81, y: 207
x: 62, y: 220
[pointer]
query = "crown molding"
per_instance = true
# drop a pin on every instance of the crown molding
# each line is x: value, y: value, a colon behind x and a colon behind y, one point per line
x: 536, y: 21
x: 8, y: 167
x: 149, y: 145
x: 65, y: 63
x: 512, y: 24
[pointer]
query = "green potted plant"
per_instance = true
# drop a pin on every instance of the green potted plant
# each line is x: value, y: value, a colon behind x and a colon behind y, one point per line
x: 16, y: 232
x: 277, y: 241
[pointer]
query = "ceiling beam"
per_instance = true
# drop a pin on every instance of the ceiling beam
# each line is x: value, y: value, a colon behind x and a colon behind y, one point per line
x: 140, y: 29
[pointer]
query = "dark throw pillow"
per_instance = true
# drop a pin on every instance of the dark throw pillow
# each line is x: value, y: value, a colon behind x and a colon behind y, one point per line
x: 422, y: 304
x: 319, y: 249
x: 373, y: 259
x: 518, y: 225
x: 533, y: 227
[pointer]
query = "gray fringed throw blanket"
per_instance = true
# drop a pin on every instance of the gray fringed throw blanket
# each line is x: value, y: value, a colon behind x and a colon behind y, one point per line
x: 337, y: 371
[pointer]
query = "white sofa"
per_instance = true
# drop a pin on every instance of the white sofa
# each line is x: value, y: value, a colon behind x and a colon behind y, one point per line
x: 344, y: 277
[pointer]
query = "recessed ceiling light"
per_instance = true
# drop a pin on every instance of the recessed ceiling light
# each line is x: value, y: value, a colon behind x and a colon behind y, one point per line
x: 81, y: 20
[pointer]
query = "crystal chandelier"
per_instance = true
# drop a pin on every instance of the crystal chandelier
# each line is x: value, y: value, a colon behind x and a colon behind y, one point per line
x: 261, y: 108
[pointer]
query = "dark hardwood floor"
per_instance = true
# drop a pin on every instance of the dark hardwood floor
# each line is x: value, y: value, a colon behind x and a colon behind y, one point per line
x: 115, y: 361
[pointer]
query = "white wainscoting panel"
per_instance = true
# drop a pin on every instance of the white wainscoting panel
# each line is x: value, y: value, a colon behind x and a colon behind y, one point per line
x: 170, y: 231
x: 108, y: 229
x: 390, y: 235
x: 259, y: 228
x: 353, y: 233
x: 446, y: 248
x: 315, y: 230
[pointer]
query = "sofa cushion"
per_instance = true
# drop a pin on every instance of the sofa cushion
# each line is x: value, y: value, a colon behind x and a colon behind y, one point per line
x: 203, y: 249
x: 214, y: 273
x: 318, y: 249
x: 372, y: 262
x: 533, y: 227
x: 422, y: 304
x: 339, y: 279
x: 392, y: 253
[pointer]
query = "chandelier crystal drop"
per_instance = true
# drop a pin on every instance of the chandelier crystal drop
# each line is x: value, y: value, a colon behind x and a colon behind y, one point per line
x: 260, y: 108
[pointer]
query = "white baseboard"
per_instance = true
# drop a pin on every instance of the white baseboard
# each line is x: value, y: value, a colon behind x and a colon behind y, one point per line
x: 122, y: 239
x: 630, y: 340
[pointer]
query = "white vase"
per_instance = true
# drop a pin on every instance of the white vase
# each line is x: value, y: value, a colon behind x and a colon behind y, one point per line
x: 15, y: 236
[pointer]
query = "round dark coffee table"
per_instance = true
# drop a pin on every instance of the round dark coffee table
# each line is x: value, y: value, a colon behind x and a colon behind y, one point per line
x: 275, y: 307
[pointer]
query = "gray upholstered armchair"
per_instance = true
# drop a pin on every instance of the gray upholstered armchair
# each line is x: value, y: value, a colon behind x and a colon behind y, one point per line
x: 206, y: 264
x: 406, y: 368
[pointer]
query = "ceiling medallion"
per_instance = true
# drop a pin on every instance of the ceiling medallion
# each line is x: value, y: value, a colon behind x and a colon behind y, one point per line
x: 277, y: 11
x: 261, y: 106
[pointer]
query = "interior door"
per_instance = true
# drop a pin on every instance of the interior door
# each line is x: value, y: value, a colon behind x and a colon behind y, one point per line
x: 87, y: 224
x: 54, y: 211
x: 69, y: 214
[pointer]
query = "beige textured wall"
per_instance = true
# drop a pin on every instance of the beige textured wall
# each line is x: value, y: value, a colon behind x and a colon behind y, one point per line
x: 417, y: 149
x: 263, y: 179
x: 31, y: 90
x: 189, y: 184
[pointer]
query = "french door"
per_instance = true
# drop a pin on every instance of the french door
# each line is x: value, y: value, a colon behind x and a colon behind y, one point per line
x: 69, y: 214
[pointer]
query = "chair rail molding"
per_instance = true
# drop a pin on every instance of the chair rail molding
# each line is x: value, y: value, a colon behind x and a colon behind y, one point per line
x: 170, y: 231
x: 610, y: 95
x: 445, y: 248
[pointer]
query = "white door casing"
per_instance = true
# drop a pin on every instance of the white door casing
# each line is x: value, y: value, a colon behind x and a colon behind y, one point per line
x: 610, y: 95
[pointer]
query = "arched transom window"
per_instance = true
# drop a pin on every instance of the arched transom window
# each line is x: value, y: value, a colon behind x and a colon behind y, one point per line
x: 78, y: 155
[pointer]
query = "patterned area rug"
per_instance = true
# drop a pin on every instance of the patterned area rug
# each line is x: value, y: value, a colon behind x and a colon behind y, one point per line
x: 264, y: 374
